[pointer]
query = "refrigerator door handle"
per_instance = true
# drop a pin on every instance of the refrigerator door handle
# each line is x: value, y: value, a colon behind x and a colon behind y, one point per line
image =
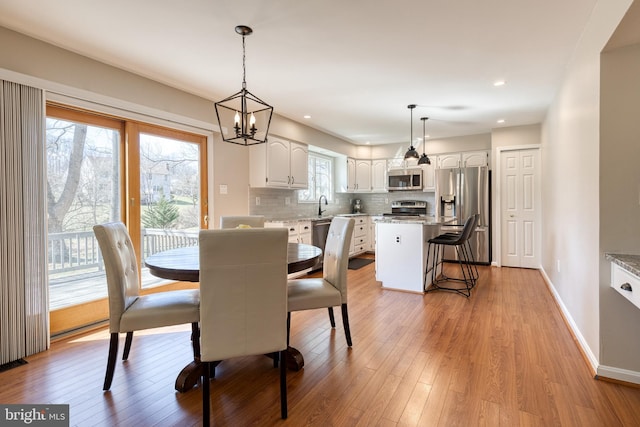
x: 459, y: 197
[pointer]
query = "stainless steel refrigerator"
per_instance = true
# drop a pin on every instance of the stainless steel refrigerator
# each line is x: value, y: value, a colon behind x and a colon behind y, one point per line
x: 460, y: 193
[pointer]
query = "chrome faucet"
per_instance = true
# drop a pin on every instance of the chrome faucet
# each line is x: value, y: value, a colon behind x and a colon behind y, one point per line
x: 320, y: 204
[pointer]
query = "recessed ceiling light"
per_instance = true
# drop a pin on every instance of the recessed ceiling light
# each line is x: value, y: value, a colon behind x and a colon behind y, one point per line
x: 368, y: 142
x: 500, y: 120
x: 306, y: 116
x: 499, y: 83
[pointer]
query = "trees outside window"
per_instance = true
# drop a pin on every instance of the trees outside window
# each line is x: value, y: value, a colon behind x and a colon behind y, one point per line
x: 320, y: 179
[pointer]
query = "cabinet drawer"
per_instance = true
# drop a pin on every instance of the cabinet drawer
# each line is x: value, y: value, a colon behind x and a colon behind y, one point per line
x: 360, y: 240
x: 291, y: 226
x: 360, y: 220
x: 304, y: 227
x: 620, y: 278
x: 360, y: 230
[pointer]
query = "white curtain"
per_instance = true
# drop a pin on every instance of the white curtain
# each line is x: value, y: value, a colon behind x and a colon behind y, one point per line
x: 24, y: 317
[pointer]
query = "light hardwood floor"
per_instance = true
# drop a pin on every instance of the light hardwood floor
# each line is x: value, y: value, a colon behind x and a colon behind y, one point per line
x: 504, y: 357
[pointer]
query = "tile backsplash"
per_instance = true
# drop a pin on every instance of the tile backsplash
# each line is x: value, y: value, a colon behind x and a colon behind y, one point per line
x: 279, y: 204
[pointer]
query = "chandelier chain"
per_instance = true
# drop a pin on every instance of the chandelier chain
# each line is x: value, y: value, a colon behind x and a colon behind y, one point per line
x: 244, y: 69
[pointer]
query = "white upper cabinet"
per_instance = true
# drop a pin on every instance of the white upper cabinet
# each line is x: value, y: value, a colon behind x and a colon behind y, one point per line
x: 475, y: 158
x: 279, y: 163
x: 378, y: 176
x: 351, y: 175
x: 429, y: 175
x: 449, y: 161
x: 363, y: 176
x: 463, y: 160
x: 299, y: 165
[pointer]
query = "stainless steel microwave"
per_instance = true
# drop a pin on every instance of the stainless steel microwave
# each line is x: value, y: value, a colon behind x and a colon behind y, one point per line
x: 404, y: 179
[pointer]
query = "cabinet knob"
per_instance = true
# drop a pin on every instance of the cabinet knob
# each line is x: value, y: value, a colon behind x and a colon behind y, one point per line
x: 626, y: 287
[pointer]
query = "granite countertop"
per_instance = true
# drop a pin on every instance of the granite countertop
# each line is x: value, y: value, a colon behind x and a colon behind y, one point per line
x: 427, y: 220
x: 317, y: 218
x: 630, y: 263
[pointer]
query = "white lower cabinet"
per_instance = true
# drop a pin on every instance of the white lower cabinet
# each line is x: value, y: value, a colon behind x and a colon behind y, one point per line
x: 372, y: 232
x: 626, y: 283
x: 360, y: 240
x: 299, y: 232
x: 304, y: 232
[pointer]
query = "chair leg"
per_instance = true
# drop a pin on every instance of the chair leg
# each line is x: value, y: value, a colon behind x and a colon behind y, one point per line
x: 332, y: 319
x: 195, y: 340
x: 288, y: 328
x: 111, y: 361
x: 345, y: 322
x: 465, y: 269
x: 127, y: 345
x: 283, y: 386
x: 206, y: 401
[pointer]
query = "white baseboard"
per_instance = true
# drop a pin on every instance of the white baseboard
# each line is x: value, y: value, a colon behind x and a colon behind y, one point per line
x: 593, y: 360
x: 618, y: 374
x: 608, y: 372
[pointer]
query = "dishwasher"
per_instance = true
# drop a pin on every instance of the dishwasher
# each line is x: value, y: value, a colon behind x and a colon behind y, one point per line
x: 319, y: 232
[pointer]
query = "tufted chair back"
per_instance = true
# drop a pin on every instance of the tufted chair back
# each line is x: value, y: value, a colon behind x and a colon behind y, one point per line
x: 336, y: 254
x: 121, y: 268
x: 255, y: 221
x: 243, y: 292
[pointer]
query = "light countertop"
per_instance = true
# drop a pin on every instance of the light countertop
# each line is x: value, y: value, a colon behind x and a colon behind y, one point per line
x: 316, y: 218
x: 631, y: 263
x: 427, y: 220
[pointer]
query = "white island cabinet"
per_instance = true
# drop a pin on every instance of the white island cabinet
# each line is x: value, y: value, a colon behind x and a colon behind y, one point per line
x: 401, y: 253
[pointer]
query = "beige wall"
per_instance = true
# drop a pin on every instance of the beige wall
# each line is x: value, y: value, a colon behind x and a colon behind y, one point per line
x: 435, y: 146
x: 88, y: 83
x: 570, y: 164
x: 571, y: 194
x: 513, y: 136
x: 619, y: 200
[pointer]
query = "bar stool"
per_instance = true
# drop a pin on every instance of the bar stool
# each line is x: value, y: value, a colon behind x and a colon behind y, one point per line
x: 435, y: 252
x: 476, y: 218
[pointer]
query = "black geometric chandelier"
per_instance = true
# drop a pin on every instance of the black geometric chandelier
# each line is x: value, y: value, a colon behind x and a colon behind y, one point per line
x: 411, y: 152
x: 424, y: 159
x: 244, y: 118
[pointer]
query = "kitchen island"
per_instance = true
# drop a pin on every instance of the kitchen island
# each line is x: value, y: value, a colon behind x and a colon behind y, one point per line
x: 401, y: 252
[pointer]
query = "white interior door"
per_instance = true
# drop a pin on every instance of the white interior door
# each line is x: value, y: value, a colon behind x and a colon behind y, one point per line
x: 520, y: 208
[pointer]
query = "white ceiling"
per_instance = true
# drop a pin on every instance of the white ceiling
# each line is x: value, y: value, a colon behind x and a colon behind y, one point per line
x: 353, y: 65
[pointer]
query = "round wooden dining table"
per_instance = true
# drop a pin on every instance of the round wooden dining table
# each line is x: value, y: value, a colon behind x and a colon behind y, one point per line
x: 183, y: 264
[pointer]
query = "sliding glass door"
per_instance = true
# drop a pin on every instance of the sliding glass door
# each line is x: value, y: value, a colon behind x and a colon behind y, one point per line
x: 170, y: 203
x: 103, y: 169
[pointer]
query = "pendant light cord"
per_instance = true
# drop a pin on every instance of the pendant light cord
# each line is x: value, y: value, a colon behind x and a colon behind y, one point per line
x: 411, y: 107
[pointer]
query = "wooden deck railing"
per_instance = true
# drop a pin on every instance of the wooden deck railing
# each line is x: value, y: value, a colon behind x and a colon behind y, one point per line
x: 79, y: 251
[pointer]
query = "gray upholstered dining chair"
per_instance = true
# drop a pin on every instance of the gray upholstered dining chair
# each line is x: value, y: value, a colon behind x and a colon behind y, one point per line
x: 254, y: 221
x: 128, y: 310
x: 330, y: 290
x: 243, y: 306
